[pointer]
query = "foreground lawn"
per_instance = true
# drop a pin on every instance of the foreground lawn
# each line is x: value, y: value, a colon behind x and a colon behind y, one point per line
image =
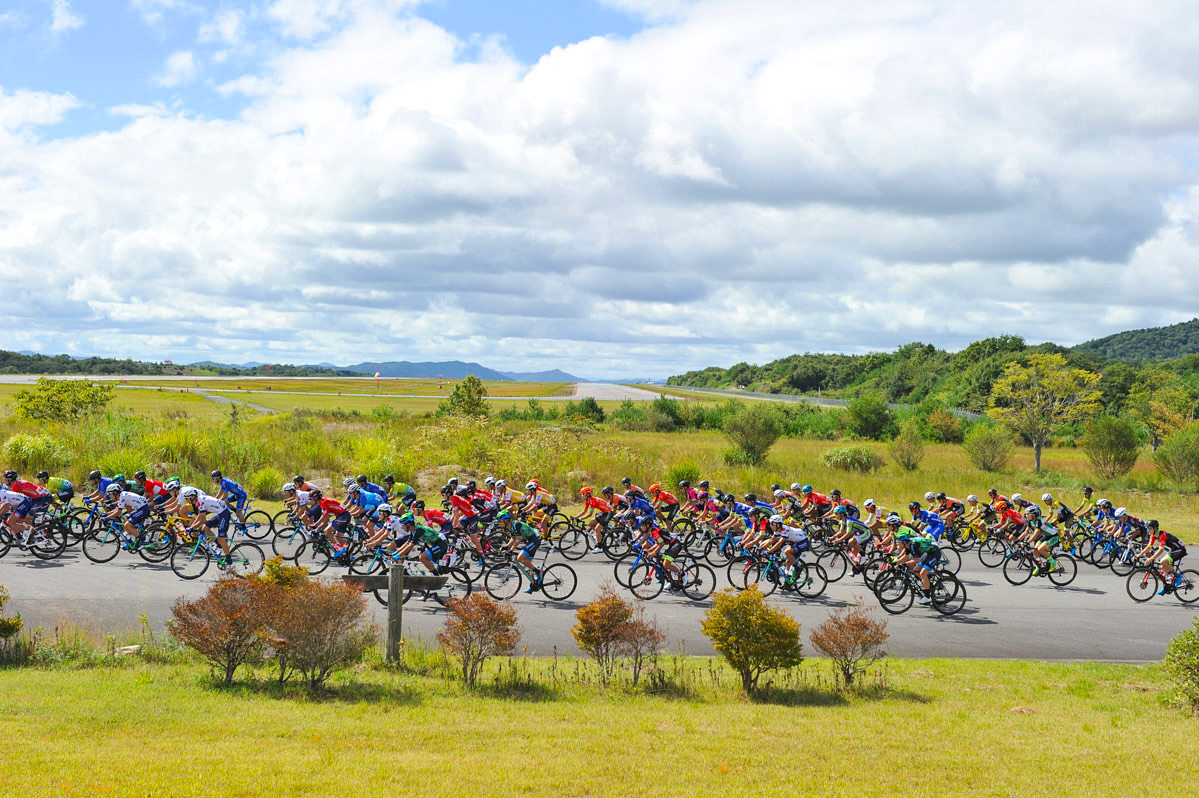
x: 941, y: 727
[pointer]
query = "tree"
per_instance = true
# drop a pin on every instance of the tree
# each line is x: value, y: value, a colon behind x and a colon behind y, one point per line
x: 853, y: 639
x: 1037, y: 398
x: 944, y: 426
x: 224, y: 626
x: 315, y: 627
x: 754, y: 428
x: 640, y: 640
x: 1160, y: 403
x: 1111, y: 445
x: 61, y: 400
x: 478, y: 627
x: 1178, y: 457
x: 988, y: 447
x: 752, y: 636
x: 598, y: 628
x: 466, y: 399
x: 908, y: 447
x: 869, y: 416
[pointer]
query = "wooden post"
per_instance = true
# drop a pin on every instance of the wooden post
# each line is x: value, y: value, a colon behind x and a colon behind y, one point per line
x: 395, y: 610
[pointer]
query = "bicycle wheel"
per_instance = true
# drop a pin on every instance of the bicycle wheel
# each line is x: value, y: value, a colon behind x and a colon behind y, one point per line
x: 259, y: 525
x: 992, y: 552
x: 157, y: 543
x: 189, y: 562
x: 959, y: 539
x: 951, y: 561
x: 622, y: 569
x: 5, y: 542
x: 103, y: 545
x: 457, y: 585
x: 1142, y: 584
x: 573, y: 543
x: 282, y: 520
x: 812, y: 580
x: 873, y: 569
x: 1186, y: 586
x: 616, y: 545
x: 502, y: 581
x: 736, y: 571
x: 719, y: 552
x: 1065, y: 571
x: 558, y: 582
x: 948, y: 593
x: 1123, y: 561
x: 312, y: 557
x: 366, y: 564
x: 699, y: 580
x: 835, y: 564
x: 1017, y: 569
x: 645, y: 582
x: 763, y: 574
x: 894, y: 594
x: 287, y: 541
x: 48, y: 540
x: 246, y: 559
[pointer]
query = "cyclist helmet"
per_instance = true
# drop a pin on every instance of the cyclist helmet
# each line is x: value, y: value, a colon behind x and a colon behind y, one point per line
x: 531, y: 486
x: 407, y: 518
x: 384, y: 508
x: 703, y: 483
x: 113, y: 488
x: 503, y: 515
x: 299, y: 479
x: 188, y: 493
x: 462, y: 491
x: 1032, y: 511
x: 446, y: 490
x: 914, y: 506
x: 928, y: 497
x: 389, y: 480
x: 1017, y: 498
x: 806, y: 489
x: 992, y: 492
x: 972, y: 499
x: 472, y: 485
x: 489, y: 482
x: 775, y: 487
x: 452, y: 480
x: 645, y: 520
x: 839, y: 510
x: 1104, y: 503
x: 1000, y: 505
x: 94, y: 476
x: 607, y: 491
x: 316, y: 495
x: 347, y: 482
x: 795, y: 486
x: 1121, y: 512
x: 684, y: 484
x: 1088, y: 490
x: 419, y: 504
x: 536, y: 481
x: 1047, y: 497
x: 119, y: 478
x: 835, y: 492
x: 1153, y: 524
x: 779, y: 493
x: 500, y: 484
x: 655, y: 488
x: 216, y: 474
x: 43, y: 475
x: 139, y: 474
x: 585, y: 490
x: 361, y: 479
x: 868, y: 503
x: 894, y: 520
x: 353, y: 488
x: 776, y: 519
x: 750, y: 498
x: 626, y: 481
x: 173, y: 484
x: 630, y: 494
x: 288, y: 487
x: 10, y: 474
x: 941, y: 496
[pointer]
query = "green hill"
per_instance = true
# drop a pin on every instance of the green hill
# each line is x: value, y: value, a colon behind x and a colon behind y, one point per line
x: 1155, y: 343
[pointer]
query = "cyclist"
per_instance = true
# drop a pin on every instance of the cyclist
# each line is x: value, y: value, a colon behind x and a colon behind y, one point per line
x: 363, y: 504
x: 920, y: 553
x: 10, y: 500
x: 506, y: 498
x: 815, y: 505
x: 996, y: 497
x: 228, y: 490
x: 927, y: 521
x: 383, y: 527
x: 602, y: 511
x: 212, y: 513
x: 793, y: 540
x: 119, y: 501
x: 378, y: 490
x: 398, y: 490
x: 1086, y: 507
x: 665, y: 504
x: 152, y: 489
x: 540, y: 505
x: 875, y: 516
x: 331, y: 518
x: 838, y: 500
x: 433, y: 543
x: 302, y: 484
x: 1171, y: 553
x: 1043, y: 537
x: 100, y: 484
x: 628, y: 485
x: 38, y: 500
x: 949, y: 508
x: 60, y: 488
x: 854, y: 533
x: 464, y: 518
x: 528, y: 540
x: 636, y: 506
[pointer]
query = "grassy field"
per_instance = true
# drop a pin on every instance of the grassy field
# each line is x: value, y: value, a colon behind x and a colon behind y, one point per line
x: 940, y: 727
x: 366, y: 385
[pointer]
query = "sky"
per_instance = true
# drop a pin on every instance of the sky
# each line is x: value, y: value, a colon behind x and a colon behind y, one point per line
x: 612, y: 187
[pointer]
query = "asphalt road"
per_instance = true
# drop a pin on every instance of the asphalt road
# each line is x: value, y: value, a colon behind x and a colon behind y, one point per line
x: 1092, y: 619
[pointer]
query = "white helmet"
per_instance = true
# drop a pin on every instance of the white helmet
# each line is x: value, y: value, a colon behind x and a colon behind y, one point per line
x: 972, y: 499
x: 1046, y: 497
x: 928, y: 497
x: 776, y: 519
x: 795, y: 486
x: 288, y: 487
x: 190, y: 493
x: 780, y: 493
x: 1121, y: 512
x: 384, y: 508
x: 489, y: 481
x: 347, y: 482
x: 532, y: 486
x: 1016, y: 497
x: 113, y: 488
x: 868, y: 503
x: 501, y: 484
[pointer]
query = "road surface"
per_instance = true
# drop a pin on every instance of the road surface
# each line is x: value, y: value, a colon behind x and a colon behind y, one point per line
x: 1092, y: 619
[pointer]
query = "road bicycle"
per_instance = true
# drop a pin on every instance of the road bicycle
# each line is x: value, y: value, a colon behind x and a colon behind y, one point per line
x: 153, y: 542
x: 1146, y: 580
x: 1022, y: 565
x: 504, y: 579
x: 769, y: 572
x: 897, y: 589
x: 379, y: 563
x: 696, y: 580
x: 45, y: 539
x: 191, y: 560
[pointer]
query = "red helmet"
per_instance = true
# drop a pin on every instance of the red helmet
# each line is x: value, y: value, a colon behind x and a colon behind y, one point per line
x: 585, y: 490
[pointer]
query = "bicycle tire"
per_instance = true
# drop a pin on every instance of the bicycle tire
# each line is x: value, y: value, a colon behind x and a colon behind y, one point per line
x: 5, y: 542
x: 835, y: 564
x: 992, y: 553
x: 1065, y: 572
x: 457, y: 585
x: 103, y: 546
x: 1188, y: 591
x: 259, y: 525
x: 1017, y: 569
x: 282, y: 520
x: 874, y: 567
x: 313, y: 559
x: 894, y: 594
x: 764, y: 575
x: 157, y: 544
x: 572, y: 544
x: 616, y: 545
x: 558, y: 582
x: 952, y: 560
x: 190, y: 562
x: 699, y: 581
x: 623, y: 568
x: 735, y: 572
x: 1142, y: 584
x: 717, y: 552
x: 947, y: 601
x: 503, y: 581
x: 815, y: 572
x: 246, y: 559
x: 48, y: 541
x: 644, y: 582
x: 1122, y: 561
x: 287, y: 541
x: 365, y: 564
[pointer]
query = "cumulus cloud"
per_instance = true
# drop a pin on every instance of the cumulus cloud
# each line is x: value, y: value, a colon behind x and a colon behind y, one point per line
x: 740, y: 180
x: 153, y: 11
x: 179, y: 68
x: 225, y: 27
x: 62, y: 19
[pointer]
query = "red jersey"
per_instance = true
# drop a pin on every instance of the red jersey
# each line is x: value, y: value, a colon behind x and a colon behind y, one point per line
x: 1012, y: 515
x: 599, y: 505
x: 436, y: 517
x: 154, y: 488
x: 485, y: 495
x: 30, y: 489
x: 665, y: 498
x: 463, y: 506
x: 817, y: 499
x: 331, y: 506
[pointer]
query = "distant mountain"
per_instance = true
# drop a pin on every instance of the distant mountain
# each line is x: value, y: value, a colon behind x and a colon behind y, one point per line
x: 555, y: 375
x: 447, y: 369
x: 1155, y: 343
x: 212, y: 364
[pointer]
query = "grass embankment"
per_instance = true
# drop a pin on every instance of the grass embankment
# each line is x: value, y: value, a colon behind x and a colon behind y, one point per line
x: 940, y: 727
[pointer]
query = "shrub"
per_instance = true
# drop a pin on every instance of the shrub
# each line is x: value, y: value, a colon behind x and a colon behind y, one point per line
x: 478, y: 627
x: 944, y: 426
x: 1178, y: 457
x: 264, y: 483
x: 223, y: 626
x: 640, y: 640
x: 753, y: 429
x: 752, y: 636
x: 907, y: 450
x: 467, y: 399
x: 685, y: 470
x: 316, y: 627
x: 1182, y: 664
x: 9, y: 627
x: 599, y: 626
x: 1112, y: 445
x: 62, y: 400
x: 276, y: 571
x: 853, y: 639
x: 988, y: 447
x: 862, y: 459
x: 27, y: 452
x: 588, y: 408
x: 869, y: 416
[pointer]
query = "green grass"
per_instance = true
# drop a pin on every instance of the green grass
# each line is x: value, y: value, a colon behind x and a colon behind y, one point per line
x: 941, y: 727
x: 419, y: 387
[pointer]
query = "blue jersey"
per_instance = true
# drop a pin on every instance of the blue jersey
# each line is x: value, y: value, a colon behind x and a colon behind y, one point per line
x: 929, y: 518
x: 230, y: 486
x: 740, y: 509
x: 375, y: 489
x: 641, y: 507
x: 104, y: 483
x: 368, y: 501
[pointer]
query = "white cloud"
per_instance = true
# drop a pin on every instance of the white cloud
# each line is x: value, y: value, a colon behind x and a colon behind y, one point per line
x: 153, y: 11
x: 741, y: 181
x: 226, y: 27
x: 179, y: 68
x: 63, y: 19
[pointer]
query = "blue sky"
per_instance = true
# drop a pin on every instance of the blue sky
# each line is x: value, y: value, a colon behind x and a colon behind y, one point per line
x: 610, y: 187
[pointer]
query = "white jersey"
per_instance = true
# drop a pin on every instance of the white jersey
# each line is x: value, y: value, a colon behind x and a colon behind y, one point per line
x: 128, y: 500
x: 393, y: 525
x: 304, y: 498
x: 211, y: 505
x: 795, y: 534
x: 11, y: 497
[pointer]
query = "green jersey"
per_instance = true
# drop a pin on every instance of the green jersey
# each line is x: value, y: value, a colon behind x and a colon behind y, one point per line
x: 427, y: 536
x: 525, y: 531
